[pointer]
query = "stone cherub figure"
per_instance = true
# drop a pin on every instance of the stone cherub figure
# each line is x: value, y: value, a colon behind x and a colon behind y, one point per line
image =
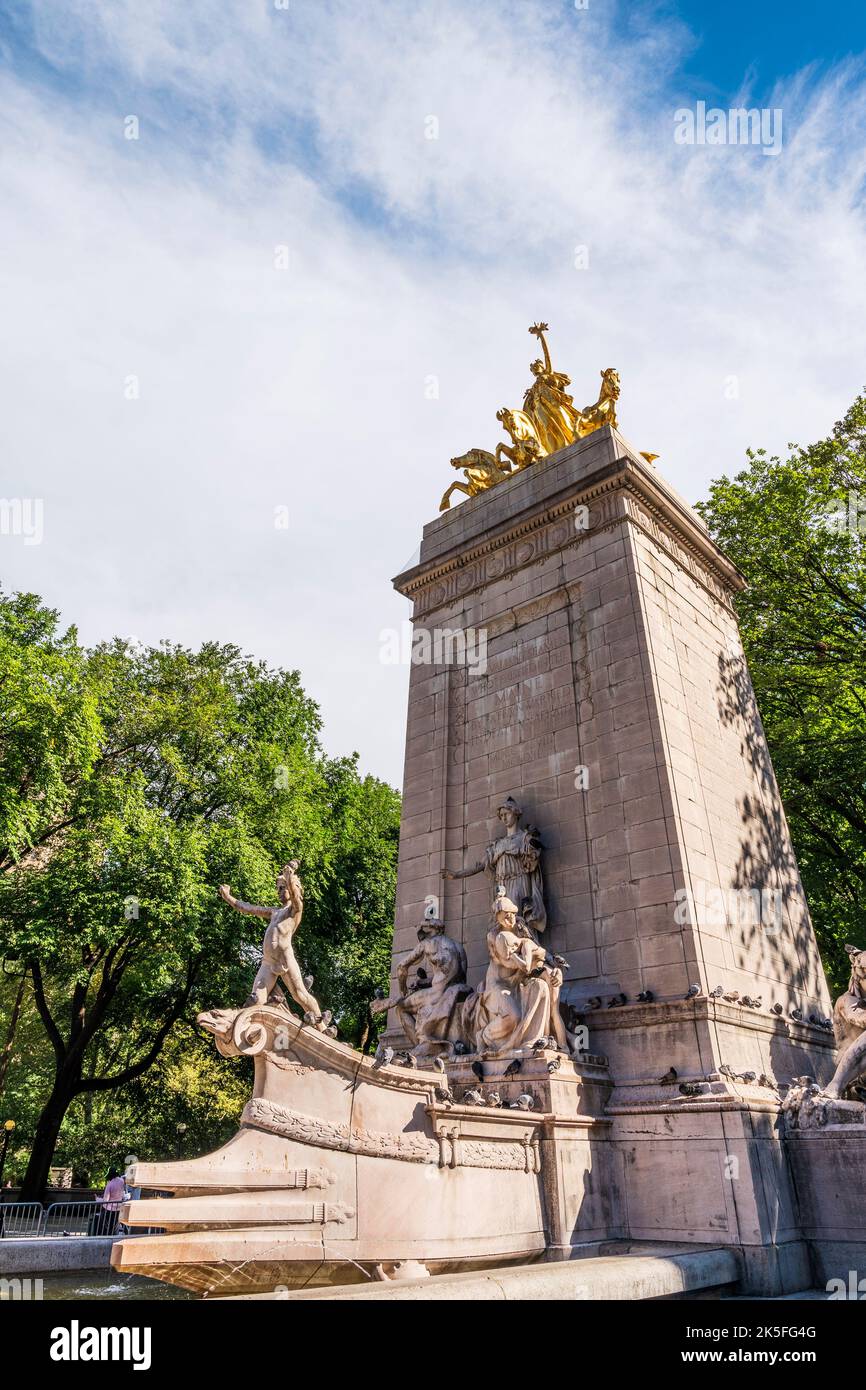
x: 513, y: 863
x: 429, y: 1009
x: 278, y: 956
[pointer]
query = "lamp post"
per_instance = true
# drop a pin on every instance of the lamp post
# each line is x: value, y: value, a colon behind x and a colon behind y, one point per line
x: 8, y: 1127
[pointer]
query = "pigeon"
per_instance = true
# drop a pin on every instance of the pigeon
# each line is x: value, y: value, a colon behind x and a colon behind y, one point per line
x: 474, y: 1098
x: 765, y: 1080
x: 308, y: 981
x: 669, y: 1077
x: 439, y: 1064
x: 554, y: 1064
x: 478, y: 1070
x: 594, y: 1002
x: 384, y: 1056
x: 524, y: 1102
x: 513, y: 1067
x: 733, y: 996
x: 445, y: 1098
x: 693, y: 990
x: 749, y: 1077
x: 539, y: 1045
x: 688, y: 1088
x: 616, y: 1001
x: 777, y: 1009
x: 646, y: 997
x: 797, y: 1015
x: 717, y: 992
x: 728, y: 1072
x: 495, y: 1099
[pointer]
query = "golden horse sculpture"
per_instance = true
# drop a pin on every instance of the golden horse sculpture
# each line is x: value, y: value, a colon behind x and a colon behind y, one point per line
x: 548, y: 421
x: 481, y: 471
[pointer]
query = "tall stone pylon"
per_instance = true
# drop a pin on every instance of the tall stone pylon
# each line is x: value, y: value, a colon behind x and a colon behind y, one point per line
x: 598, y: 678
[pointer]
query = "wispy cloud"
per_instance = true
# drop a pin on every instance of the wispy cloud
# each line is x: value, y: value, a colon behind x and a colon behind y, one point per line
x: 407, y: 257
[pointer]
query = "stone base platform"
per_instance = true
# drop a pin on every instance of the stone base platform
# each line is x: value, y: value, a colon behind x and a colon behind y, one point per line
x: 633, y: 1272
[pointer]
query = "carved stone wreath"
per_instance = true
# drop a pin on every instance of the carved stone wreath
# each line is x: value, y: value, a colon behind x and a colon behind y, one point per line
x: 447, y: 1150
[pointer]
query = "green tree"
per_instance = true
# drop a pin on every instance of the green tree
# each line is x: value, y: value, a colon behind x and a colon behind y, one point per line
x: 796, y: 527
x: 188, y: 769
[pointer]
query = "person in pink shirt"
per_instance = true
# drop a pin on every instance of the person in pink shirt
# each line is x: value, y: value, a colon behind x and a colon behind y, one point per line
x: 112, y: 1196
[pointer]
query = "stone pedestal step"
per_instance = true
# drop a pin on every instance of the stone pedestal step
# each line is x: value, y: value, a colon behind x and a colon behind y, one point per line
x: 665, y: 1273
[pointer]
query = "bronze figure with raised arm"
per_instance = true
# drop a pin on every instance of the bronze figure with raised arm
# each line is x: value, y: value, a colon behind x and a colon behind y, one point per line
x: 278, y: 956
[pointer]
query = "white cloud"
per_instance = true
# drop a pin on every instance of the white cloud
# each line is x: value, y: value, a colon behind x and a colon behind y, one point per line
x: 407, y: 257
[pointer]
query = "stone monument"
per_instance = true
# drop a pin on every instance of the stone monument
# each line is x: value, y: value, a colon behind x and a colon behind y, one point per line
x: 616, y: 706
x: 612, y: 1022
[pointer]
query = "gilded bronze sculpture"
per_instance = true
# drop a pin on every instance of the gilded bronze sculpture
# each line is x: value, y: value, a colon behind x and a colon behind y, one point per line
x: 547, y: 403
x: 548, y: 421
x: 480, y: 469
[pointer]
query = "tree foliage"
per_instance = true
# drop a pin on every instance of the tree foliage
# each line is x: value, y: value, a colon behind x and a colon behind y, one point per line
x: 796, y: 527
x: 133, y: 781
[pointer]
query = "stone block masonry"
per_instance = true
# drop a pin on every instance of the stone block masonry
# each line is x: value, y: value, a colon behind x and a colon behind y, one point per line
x: 617, y: 706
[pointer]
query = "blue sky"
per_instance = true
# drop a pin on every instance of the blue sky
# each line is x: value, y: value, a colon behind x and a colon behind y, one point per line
x: 318, y: 305
x: 771, y: 39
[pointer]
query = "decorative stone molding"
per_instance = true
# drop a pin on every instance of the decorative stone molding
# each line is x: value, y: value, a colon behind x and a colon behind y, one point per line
x: 309, y: 1177
x: 622, y: 495
x: 314, y: 1214
x: 447, y: 1150
x: 310, y: 1129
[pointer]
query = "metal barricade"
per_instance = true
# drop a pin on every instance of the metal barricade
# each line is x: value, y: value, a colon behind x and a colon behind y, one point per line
x: 88, y: 1218
x: 80, y: 1219
x: 20, y: 1219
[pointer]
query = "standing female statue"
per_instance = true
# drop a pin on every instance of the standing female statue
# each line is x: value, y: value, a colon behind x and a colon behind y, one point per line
x: 547, y: 403
x: 513, y: 864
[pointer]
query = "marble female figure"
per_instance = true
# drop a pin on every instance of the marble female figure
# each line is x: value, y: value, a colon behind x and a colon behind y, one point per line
x: 519, y: 1001
x: 513, y: 864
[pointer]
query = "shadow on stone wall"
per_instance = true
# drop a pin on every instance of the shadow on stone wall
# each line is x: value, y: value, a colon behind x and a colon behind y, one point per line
x: 766, y: 858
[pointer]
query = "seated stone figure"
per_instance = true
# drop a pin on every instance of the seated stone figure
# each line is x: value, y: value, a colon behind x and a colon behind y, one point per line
x: 849, y: 1021
x: 430, y: 1010
x: 519, y: 1003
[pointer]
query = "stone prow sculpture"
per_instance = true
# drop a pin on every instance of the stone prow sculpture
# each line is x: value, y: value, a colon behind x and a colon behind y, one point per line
x: 344, y: 1168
